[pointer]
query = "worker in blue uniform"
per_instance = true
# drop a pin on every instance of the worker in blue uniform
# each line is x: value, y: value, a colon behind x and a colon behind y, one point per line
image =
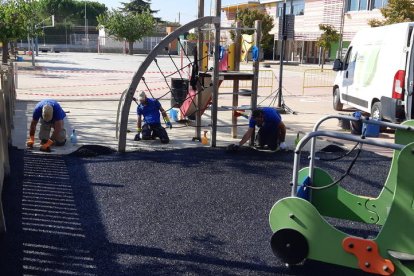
x: 271, y: 133
x: 149, y: 110
x: 51, y: 115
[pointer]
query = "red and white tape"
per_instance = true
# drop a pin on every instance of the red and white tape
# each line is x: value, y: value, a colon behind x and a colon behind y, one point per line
x: 85, y: 85
x: 97, y: 71
x: 84, y: 94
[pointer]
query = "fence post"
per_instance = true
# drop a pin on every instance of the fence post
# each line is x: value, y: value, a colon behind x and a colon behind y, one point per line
x: 4, y: 170
x: 6, y: 97
x: 16, y: 76
x: 3, y: 130
x: 303, y: 83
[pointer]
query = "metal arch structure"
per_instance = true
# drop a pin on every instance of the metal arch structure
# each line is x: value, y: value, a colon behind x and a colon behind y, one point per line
x: 143, y: 68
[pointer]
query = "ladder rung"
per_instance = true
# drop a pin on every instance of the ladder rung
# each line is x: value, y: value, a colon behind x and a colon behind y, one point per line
x: 246, y: 93
x: 235, y: 108
x: 230, y: 29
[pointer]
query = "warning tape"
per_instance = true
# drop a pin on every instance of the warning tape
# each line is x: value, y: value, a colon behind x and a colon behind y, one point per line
x: 52, y: 71
x: 83, y: 85
x: 84, y: 94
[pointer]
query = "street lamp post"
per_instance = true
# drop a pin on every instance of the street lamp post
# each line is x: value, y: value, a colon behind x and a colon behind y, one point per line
x: 86, y: 28
x: 282, y: 54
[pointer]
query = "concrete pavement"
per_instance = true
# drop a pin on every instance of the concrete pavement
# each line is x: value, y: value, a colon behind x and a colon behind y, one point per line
x: 89, y: 86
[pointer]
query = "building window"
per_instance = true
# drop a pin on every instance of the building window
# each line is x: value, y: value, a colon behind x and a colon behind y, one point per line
x: 377, y: 4
x: 363, y: 5
x: 353, y: 5
x: 295, y: 7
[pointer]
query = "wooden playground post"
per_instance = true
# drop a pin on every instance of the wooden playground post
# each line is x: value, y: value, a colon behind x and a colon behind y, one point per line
x: 200, y: 64
x: 217, y: 25
x: 237, y: 49
x: 255, y: 84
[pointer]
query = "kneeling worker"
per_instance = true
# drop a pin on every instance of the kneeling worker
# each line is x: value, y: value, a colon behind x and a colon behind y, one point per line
x: 272, y: 132
x: 51, y: 115
x: 150, y: 109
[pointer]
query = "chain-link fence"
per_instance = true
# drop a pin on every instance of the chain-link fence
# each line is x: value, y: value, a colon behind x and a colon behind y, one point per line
x: 88, y: 43
x: 109, y: 44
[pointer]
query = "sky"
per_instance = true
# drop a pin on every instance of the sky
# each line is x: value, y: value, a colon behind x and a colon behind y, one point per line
x: 169, y: 9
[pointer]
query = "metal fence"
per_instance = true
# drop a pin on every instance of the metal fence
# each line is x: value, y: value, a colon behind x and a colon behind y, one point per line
x: 109, y: 44
x: 89, y: 43
x: 8, y: 79
x: 266, y: 82
x: 313, y: 78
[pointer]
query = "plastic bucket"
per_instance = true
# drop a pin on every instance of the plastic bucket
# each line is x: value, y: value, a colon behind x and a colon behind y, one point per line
x: 179, y: 91
x: 344, y: 124
x: 370, y: 130
x: 174, y: 115
x: 356, y: 127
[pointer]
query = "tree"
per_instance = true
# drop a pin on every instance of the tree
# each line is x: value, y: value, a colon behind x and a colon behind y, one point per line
x: 93, y: 9
x: 396, y: 11
x: 207, y: 36
x: 70, y: 12
x: 248, y: 17
x: 61, y: 9
x: 18, y: 18
x: 137, y: 6
x: 329, y: 36
x: 128, y: 26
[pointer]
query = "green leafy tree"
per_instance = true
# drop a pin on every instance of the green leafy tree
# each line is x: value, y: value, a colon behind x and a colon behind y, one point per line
x: 248, y: 17
x: 127, y: 26
x: 61, y: 9
x: 137, y: 6
x: 70, y: 12
x: 329, y: 35
x: 93, y: 9
x: 18, y: 18
x: 207, y: 36
x: 396, y: 11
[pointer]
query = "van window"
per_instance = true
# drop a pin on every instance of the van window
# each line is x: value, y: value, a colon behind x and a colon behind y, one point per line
x: 347, y: 58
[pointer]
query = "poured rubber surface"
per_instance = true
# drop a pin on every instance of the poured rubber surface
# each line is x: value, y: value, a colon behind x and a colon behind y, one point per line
x: 192, y: 211
x: 92, y: 151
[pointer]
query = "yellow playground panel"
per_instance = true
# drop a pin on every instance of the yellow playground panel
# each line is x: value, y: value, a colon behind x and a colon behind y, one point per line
x: 314, y: 78
x: 266, y: 82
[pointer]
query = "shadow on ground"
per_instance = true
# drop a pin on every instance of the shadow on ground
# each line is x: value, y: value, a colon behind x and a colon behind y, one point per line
x: 191, y: 211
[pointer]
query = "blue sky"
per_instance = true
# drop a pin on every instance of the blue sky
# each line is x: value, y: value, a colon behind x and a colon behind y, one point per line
x: 168, y: 9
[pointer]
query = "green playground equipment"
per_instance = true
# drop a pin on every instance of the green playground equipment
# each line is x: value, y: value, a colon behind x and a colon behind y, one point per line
x: 300, y: 231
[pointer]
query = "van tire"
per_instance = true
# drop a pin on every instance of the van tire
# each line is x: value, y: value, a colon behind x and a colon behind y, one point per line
x: 376, y: 113
x: 337, y: 105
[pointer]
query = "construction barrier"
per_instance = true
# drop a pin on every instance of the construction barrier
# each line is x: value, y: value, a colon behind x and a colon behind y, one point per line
x: 266, y: 81
x: 8, y: 80
x: 313, y: 78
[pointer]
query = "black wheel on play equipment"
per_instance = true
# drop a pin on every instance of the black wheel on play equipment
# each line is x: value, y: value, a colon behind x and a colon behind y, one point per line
x: 290, y: 246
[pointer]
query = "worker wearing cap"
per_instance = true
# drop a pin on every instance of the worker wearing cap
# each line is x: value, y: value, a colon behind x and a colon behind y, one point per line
x: 272, y: 131
x: 51, y: 115
x: 150, y: 109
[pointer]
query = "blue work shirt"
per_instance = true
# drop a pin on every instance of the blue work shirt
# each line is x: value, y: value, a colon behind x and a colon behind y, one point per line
x: 150, y: 111
x: 58, y: 113
x: 271, y: 117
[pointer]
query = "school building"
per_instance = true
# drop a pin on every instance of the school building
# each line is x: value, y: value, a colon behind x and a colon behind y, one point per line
x: 308, y: 14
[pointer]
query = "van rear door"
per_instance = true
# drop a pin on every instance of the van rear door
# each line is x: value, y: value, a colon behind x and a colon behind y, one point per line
x: 408, y: 97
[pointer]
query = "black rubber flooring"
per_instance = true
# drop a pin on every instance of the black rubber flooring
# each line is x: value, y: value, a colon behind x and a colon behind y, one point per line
x: 192, y: 211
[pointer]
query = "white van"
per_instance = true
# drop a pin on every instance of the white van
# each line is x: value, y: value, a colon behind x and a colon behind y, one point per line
x: 377, y: 73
